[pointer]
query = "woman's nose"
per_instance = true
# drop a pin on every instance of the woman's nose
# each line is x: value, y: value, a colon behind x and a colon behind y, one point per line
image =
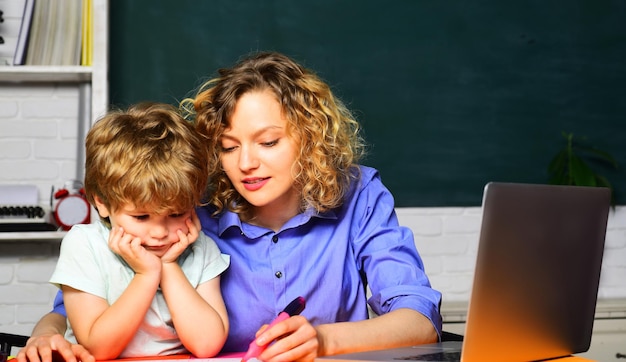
x: 248, y: 159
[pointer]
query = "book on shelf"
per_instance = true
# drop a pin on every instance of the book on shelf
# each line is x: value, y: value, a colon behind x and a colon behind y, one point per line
x: 51, y: 33
x: 56, y: 33
x: 22, y: 40
x: 64, y: 47
x: 37, y: 30
x: 12, y: 15
x: 87, y: 33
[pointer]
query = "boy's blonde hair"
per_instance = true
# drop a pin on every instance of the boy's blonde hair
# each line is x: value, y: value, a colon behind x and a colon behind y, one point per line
x: 324, y: 129
x: 147, y: 156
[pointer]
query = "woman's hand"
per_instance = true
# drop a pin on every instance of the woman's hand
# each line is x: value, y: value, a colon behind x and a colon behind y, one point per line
x: 295, y: 340
x: 48, y: 348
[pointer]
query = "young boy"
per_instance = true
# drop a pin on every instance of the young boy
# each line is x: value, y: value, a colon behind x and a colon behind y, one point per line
x: 143, y: 281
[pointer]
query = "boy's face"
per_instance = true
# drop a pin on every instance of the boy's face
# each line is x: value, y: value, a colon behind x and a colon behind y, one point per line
x: 157, y: 231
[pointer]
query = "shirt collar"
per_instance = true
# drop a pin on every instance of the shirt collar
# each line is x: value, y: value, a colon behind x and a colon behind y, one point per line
x: 230, y: 219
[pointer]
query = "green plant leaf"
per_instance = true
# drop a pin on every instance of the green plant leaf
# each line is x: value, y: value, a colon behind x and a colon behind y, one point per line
x: 603, y: 156
x: 558, y: 179
x: 581, y: 174
x: 558, y: 165
x: 570, y: 165
x: 601, y: 181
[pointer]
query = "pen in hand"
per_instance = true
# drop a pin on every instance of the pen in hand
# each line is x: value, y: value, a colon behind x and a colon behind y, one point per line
x: 293, y: 308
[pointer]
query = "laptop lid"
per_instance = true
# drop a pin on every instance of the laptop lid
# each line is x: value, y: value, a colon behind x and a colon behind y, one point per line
x: 537, y: 271
x: 536, y: 278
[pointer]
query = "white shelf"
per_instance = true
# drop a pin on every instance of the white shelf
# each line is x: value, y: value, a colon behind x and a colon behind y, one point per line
x: 32, y: 236
x: 94, y: 79
x: 65, y: 74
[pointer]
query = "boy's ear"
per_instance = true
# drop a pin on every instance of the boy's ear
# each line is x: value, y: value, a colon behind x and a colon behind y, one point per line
x: 103, y: 211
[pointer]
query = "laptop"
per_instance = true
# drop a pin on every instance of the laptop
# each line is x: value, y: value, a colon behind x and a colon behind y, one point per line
x: 536, y: 279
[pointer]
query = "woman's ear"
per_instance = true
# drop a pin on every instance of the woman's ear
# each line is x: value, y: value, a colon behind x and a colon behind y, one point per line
x: 103, y: 211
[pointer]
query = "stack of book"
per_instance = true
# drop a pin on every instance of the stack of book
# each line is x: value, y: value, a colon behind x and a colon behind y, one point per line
x: 47, y: 32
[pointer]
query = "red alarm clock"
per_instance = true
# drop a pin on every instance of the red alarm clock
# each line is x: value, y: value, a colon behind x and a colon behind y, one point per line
x: 72, y: 207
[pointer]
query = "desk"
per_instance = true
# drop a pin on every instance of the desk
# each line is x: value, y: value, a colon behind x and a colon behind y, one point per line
x: 224, y: 357
x: 236, y: 357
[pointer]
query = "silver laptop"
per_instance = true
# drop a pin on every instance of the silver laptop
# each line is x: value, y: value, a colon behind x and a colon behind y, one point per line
x: 536, y: 279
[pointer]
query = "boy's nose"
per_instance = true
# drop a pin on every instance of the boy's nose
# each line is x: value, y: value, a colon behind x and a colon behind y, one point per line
x: 159, y: 232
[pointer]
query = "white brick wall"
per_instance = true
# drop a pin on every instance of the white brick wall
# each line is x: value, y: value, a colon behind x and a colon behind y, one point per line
x: 38, y: 145
x: 25, y: 294
x: 38, y: 135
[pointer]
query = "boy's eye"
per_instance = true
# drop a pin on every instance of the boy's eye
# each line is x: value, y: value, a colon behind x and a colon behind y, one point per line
x: 141, y: 217
x: 177, y: 215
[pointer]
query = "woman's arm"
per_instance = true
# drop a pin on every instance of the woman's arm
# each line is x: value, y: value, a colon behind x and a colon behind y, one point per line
x: 49, y: 324
x: 401, y: 327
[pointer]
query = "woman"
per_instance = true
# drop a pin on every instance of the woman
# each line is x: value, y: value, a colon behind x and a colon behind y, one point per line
x: 299, y: 216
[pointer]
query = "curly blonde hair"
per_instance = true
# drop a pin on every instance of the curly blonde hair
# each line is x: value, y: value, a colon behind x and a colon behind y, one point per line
x: 146, y: 156
x: 325, y: 130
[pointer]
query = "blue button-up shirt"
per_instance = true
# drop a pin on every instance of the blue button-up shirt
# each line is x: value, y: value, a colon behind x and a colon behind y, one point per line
x: 328, y: 259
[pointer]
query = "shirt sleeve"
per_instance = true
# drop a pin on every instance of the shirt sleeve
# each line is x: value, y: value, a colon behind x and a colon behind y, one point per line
x: 58, y: 306
x: 203, y: 261
x: 216, y: 262
x: 81, y: 261
x: 386, y: 251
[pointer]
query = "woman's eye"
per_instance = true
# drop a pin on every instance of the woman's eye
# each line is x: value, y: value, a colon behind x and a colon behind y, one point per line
x: 270, y: 143
x: 228, y: 149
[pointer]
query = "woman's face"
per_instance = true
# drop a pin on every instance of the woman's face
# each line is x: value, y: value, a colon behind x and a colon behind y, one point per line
x: 258, y: 155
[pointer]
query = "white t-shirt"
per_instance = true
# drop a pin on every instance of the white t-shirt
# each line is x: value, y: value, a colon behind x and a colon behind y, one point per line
x: 87, y: 264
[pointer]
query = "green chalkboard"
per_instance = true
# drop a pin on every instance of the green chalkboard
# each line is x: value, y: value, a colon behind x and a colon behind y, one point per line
x: 451, y: 94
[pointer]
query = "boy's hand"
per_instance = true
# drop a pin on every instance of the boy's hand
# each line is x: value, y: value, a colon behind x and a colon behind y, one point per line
x: 184, y: 240
x: 130, y: 249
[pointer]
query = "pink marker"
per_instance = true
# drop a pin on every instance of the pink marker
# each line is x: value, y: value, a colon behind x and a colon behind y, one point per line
x: 293, y: 308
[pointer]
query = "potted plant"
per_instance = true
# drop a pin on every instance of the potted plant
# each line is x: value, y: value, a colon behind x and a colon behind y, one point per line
x: 572, y: 164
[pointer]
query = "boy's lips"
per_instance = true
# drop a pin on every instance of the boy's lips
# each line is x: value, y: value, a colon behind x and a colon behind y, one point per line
x: 156, y: 247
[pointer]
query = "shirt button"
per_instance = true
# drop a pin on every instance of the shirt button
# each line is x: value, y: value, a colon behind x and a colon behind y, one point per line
x: 278, y: 274
x: 275, y: 239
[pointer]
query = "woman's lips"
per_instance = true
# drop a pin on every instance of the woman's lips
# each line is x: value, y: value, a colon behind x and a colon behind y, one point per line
x: 254, y: 184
